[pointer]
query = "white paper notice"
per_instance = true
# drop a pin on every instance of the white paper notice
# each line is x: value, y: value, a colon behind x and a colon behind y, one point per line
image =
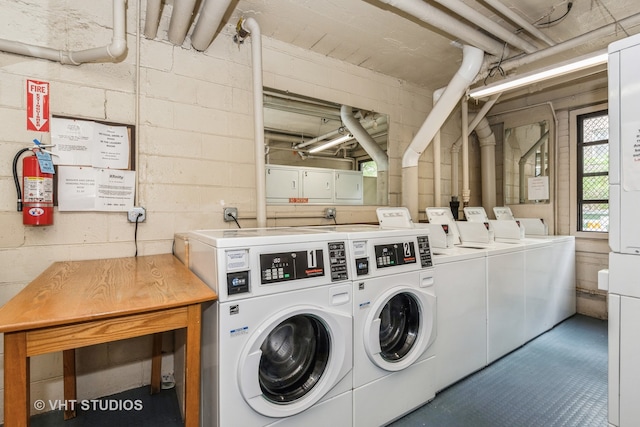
x: 115, y: 190
x: 72, y: 141
x: 630, y: 146
x: 538, y: 188
x: 91, y: 189
x: 76, y: 188
x: 111, y: 147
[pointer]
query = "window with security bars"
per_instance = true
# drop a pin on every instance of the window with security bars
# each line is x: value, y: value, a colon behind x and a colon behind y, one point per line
x: 593, y: 171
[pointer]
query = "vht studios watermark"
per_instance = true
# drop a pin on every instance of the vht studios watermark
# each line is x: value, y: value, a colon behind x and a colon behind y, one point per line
x: 89, y: 405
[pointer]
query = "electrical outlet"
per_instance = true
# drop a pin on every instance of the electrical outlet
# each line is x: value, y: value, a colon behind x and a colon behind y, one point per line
x: 230, y: 214
x: 330, y: 213
x: 138, y: 213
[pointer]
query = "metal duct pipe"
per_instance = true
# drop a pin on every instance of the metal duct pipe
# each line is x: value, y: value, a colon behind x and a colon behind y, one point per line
x: 152, y: 18
x: 466, y: 190
x: 439, y: 19
x: 251, y: 26
x: 180, y: 20
x: 471, y: 62
x: 109, y: 52
x: 522, y: 22
x: 487, y: 24
x: 211, y: 14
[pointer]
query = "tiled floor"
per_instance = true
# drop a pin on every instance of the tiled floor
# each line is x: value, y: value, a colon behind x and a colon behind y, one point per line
x: 558, y: 379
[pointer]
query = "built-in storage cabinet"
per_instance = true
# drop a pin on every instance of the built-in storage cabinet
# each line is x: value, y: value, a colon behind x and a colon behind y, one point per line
x: 290, y: 184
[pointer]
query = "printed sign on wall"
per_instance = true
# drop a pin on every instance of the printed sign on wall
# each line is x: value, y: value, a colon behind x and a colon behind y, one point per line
x: 37, y: 106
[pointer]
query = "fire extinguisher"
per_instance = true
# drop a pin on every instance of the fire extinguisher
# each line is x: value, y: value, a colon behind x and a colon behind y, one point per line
x: 36, y: 199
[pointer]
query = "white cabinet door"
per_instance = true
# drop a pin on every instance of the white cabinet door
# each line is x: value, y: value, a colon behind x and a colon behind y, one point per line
x: 282, y: 184
x: 349, y: 187
x: 317, y: 186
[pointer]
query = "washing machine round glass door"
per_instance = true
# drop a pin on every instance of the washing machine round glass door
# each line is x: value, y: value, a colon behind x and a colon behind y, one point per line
x: 399, y: 327
x: 294, y: 359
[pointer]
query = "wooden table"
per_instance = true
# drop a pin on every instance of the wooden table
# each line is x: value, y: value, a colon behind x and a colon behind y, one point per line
x: 75, y: 304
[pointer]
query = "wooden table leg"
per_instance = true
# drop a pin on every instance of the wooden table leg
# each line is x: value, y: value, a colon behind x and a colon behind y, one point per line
x: 192, y: 367
x: 69, y: 383
x: 16, y: 380
x: 156, y: 363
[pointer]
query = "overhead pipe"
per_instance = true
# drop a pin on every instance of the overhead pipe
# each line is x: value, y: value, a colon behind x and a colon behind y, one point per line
x: 209, y: 20
x: 372, y: 148
x: 328, y: 135
x: 180, y: 20
x: 152, y: 18
x: 439, y: 19
x: 602, y: 32
x: 110, y: 52
x: 249, y: 27
x: 471, y: 62
x: 522, y: 22
x: 487, y: 24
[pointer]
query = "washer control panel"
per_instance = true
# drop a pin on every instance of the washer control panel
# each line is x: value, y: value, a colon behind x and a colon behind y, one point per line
x: 425, y: 252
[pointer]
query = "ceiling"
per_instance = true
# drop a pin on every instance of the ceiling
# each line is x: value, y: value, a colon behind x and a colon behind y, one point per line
x: 373, y: 35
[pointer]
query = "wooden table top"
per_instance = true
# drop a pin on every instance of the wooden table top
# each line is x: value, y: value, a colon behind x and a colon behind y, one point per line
x: 77, y: 291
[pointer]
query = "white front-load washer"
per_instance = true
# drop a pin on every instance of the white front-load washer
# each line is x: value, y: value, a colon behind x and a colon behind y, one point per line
x: 394, y: 324
x: 277, y: 346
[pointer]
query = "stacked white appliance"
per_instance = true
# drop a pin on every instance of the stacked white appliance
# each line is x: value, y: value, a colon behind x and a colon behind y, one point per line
x: 395, y: 318
x: 624, y: 232
x: 277, y: 346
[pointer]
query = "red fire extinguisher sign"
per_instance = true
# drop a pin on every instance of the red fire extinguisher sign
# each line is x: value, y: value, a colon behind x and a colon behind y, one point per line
x: 37, y: 106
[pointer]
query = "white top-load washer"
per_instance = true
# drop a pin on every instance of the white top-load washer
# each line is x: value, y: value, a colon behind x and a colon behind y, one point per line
x: 394, y: 323
x: 277, y: 346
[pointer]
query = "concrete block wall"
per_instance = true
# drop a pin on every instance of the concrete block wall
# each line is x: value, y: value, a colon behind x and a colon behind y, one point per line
x: 195, y: 151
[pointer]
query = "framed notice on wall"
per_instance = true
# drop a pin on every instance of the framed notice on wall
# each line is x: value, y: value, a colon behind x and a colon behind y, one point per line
x: 94, y: 162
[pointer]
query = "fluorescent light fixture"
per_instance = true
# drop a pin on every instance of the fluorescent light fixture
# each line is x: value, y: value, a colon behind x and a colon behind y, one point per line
x: 580, y: 63
x: 332, y: 143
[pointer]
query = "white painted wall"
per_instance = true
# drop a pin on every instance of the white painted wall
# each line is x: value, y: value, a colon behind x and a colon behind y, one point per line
x: 195, y: 151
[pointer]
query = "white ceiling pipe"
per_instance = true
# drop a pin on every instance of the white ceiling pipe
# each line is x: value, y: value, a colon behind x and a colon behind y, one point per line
x: 466, y: 190
x: 522, y: 22
x: 211, y: 14
x: 372, y: 148
x: 439, y: 19
x: 251, y: 26
x: 575, y: 42
x: 365, y: 140
x: 437, y: 157
x: 487, y: 24
x: 152, y: 18
x: 471, y: 62
x: 180, y: 20
x: 335, y: 132
x: 110, y: 52
x: 487, y: 142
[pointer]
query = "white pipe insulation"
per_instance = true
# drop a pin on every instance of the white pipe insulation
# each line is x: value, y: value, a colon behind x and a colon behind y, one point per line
x: 487, y: 24
x: 439, y: 19
x: 180, y: 20
x: 110, y: 52
x: 487, y: 142
x: 522, y: 22
x: 437, y: 157
x: 471, y: 61
x: 152, y: 18
x: 211, y: 14
x: 251, y: 26
x: 372, y: 148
